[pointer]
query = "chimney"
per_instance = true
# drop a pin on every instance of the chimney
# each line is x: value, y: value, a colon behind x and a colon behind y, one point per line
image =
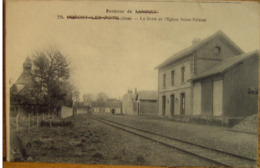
x: 195, y: 41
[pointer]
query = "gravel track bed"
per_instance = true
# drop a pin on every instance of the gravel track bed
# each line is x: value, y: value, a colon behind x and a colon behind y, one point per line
x: 212, y: 136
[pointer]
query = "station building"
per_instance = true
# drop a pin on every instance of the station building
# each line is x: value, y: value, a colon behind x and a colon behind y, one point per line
x: 212, y: 77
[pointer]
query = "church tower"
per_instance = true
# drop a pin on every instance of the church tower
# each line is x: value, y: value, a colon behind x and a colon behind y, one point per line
x: 27, y: 65
x: 26, y: 76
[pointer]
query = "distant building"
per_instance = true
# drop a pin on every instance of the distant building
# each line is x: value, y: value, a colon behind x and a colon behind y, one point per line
x: 212, y: 77
x: 146, y: 102
x: 140, y: 103
x: 107, y: 107
x: 128, y: 103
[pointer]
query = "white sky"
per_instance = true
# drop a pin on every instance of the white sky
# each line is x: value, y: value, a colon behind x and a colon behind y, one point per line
x: 114, y: 56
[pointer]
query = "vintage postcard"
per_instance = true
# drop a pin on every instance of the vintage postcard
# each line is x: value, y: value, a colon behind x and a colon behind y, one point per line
x: 153, y: 83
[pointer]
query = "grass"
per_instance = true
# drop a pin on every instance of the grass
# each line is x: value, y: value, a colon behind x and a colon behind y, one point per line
x: 92, y: 142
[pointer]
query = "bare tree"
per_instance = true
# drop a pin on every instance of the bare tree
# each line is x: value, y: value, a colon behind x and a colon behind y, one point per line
x: 87, y: 98
x: 50, y: 72
x: 102, y: 96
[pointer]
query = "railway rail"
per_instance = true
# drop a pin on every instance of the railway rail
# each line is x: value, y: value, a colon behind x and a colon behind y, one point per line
x: 216, y: 156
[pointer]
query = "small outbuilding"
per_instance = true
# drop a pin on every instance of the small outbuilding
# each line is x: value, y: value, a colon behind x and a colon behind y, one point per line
x: 229, y: 88
x: 144, y: 102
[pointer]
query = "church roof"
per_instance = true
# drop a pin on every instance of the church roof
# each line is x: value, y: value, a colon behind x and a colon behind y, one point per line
x: 25, y: 79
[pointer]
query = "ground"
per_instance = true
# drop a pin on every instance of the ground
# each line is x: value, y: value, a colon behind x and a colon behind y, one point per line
x: 92, y: 142
x: 222, y: 138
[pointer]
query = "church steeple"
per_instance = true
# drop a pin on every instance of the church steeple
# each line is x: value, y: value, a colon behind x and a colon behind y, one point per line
x: 27, y: 65
x: 26, y: 76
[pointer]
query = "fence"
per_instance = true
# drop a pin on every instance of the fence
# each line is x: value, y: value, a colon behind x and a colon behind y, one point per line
x: 24, y: 120
x: 28, y: 108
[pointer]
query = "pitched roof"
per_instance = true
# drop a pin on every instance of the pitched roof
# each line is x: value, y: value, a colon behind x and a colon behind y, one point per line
x: 194, y: 47
x: 225, y: 64
x: 17, y: 88
x: 112, y: 104
x: 147, y: 95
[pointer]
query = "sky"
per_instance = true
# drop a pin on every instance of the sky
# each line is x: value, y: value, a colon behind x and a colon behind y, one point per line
x: 113, y: 56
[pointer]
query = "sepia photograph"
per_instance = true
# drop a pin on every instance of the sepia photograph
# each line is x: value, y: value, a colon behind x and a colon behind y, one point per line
x: 140, y: 83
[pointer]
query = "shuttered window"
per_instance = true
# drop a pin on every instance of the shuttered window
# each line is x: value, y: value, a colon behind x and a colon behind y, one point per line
x: 172, y: 78
x: 182, y: 74
x: 164, y: 80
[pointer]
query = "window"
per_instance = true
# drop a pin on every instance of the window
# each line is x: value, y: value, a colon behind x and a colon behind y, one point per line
x: 182, y: 74
x: 163, y: 105
x: 182, y: 103
x: 172, y: 78
x: 216, y: 50
x: 164, y: 80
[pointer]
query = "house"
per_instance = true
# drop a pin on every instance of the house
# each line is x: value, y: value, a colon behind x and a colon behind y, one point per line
x: 212, y: 77
x: 143, y: 102
x: 106, y: 107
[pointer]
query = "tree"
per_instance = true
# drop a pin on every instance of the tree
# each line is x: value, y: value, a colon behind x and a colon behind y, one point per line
x: 102, y: 96
x: 50, y: 72
x: 87, y: 98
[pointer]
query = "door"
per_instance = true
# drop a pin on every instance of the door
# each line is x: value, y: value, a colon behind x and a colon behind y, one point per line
x: 172, y: 105
x: 163, y: 105
x: 207, y: 97
x: 113, y: 111
x: 182, y: 104
x: 217, y: 97
x: 197, y: 98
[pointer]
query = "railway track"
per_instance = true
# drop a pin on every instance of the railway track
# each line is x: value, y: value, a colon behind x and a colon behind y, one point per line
x: 218, y: 157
